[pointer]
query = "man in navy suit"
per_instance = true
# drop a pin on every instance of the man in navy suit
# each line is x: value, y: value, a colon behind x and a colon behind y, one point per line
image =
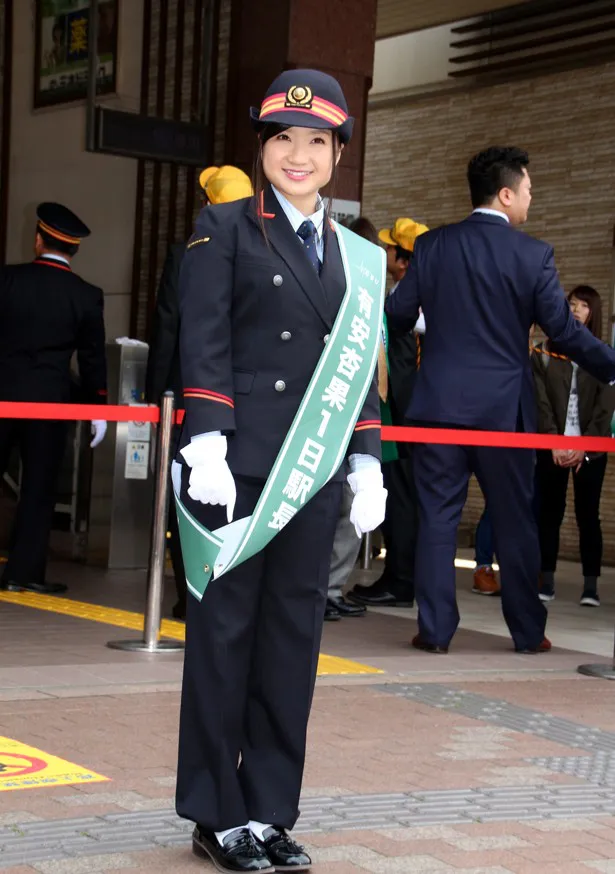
x: 481, y: 285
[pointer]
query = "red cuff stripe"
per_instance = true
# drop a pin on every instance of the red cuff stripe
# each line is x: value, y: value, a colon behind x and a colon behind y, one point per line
x: 208, y: 396
x: 371, y: 423
x: 208, y: 392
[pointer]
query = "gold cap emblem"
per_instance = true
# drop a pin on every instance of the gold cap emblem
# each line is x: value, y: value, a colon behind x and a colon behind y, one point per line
x: 299, y: 95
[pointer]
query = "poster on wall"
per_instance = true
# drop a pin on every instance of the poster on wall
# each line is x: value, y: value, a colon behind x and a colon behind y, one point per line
x: 343, y: 211
x: 61, y: 50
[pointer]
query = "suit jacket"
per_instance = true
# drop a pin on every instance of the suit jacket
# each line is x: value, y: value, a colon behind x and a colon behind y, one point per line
x: 553, y: 378
x: 482, y: 284
x: 163, y: 365
x: 255, y: 316
x: 402, y: 372
x: 47, y: 313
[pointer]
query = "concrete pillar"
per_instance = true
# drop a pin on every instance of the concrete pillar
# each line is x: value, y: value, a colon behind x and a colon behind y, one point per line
x: 275, y: 35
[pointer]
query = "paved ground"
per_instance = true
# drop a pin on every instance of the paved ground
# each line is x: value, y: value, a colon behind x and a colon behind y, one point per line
x: 481, y: 761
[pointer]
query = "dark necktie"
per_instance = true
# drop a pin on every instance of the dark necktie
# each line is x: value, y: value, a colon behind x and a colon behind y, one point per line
x: 307, y: 232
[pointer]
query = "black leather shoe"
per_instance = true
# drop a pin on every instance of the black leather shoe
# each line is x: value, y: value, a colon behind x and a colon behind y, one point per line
x: 240, y: 851
x: 345, y: 609
x: 332, y: 614
x: 419, y: 643
x: 381, y: 594
x: 285, y: 854
x: 37, y: 588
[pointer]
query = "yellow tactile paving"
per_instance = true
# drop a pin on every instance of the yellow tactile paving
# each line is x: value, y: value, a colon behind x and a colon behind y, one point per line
x: 327, y: 664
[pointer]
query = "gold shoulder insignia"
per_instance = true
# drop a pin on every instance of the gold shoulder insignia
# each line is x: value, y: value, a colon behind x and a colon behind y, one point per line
x: 198, y: 241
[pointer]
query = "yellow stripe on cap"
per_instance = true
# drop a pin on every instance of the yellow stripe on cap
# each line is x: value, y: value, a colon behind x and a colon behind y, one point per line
x: 65, y: 238
x: 320, y: 108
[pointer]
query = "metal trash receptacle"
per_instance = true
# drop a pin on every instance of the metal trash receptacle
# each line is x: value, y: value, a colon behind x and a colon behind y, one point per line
x: 122, y: 481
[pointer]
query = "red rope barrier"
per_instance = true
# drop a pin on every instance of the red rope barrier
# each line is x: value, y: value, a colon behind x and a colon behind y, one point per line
x: 127, y: 413
x: 496, y: 438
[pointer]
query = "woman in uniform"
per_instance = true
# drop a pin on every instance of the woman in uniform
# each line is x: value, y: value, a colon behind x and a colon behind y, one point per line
x: 261, y: 285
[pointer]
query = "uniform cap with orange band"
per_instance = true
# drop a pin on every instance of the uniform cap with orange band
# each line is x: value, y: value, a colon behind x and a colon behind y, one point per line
x: 305, y: 98
x: 59, y: 222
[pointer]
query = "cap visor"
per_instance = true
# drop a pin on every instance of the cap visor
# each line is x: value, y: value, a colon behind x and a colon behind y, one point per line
x: 385, y: 237
x: 289, y: 118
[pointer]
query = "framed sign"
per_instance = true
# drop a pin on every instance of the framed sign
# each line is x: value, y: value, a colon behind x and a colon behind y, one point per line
x: 61, y: 50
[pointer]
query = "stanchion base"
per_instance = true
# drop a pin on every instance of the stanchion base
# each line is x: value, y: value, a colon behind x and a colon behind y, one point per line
x: 604, y: 672
x: 142, y: 646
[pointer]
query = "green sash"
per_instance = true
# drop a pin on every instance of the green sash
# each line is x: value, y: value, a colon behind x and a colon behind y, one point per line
x: 320, y: 433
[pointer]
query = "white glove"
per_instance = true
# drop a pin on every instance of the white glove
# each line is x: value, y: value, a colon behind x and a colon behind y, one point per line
x: 369, y: 504
x: 99, y: 429
x: 211, y: 481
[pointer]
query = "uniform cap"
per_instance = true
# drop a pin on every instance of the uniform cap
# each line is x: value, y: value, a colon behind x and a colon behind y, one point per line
x: 403, y: 233
x: 61, y: 223
x: 305, y: 98
x: 225, y: 184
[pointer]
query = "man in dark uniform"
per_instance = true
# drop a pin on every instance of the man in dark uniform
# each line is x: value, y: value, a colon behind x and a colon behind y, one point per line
x: 47, y: 313
x: 218, y: 185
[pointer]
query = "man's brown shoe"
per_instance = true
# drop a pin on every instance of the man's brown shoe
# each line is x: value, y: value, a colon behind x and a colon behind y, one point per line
x: 485, y: 582
x: 545, y: 646
x: 419, y: 643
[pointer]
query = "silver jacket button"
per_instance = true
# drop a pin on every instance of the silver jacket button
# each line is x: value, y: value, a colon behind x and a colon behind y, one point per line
x: 325, y: 338
x: 285, y: 335
x: 277, y: 280
x: 280, y: 385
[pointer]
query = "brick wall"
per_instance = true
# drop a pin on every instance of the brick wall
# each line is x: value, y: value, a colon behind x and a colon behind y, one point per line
x: 417, y: 152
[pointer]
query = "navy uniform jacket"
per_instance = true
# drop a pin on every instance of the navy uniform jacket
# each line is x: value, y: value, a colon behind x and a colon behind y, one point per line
x: 163, y: 367
x: 255, y: 316
x: 47, y: 313
x: 482, y: 284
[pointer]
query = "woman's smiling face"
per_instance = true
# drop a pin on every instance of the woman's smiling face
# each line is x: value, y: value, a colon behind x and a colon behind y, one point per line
x: 299, y: 162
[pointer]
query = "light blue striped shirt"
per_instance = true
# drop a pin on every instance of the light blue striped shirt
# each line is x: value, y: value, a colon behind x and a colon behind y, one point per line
x: 296, y: 219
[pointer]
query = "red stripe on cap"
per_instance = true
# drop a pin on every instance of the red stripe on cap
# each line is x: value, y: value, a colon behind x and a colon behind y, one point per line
x: 53, y: 232
x: 320, y: 108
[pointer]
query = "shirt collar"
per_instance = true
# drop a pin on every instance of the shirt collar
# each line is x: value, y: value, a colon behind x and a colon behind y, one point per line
x: 50, y: 257
x: 296, y: 218
x: 496, y: 212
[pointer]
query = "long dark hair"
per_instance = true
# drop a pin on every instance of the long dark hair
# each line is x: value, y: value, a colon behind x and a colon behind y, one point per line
x: 591, y: 297
x: 259, y: 180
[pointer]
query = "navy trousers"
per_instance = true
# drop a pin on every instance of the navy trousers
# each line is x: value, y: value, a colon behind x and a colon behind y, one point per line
x: 41, y: 447
x: 506, y: 477
x: 252, y: 649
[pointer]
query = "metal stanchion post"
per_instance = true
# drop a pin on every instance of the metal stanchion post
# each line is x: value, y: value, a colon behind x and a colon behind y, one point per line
x: 366, y: 558
x: 603, y: 672
x: 155, y: 578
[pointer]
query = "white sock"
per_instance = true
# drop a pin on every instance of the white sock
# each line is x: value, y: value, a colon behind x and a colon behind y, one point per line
x: 227, y: 832
x: 258, y: 828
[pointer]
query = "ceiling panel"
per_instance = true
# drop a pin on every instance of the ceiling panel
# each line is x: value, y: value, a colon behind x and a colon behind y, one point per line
x: 404, y: 16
